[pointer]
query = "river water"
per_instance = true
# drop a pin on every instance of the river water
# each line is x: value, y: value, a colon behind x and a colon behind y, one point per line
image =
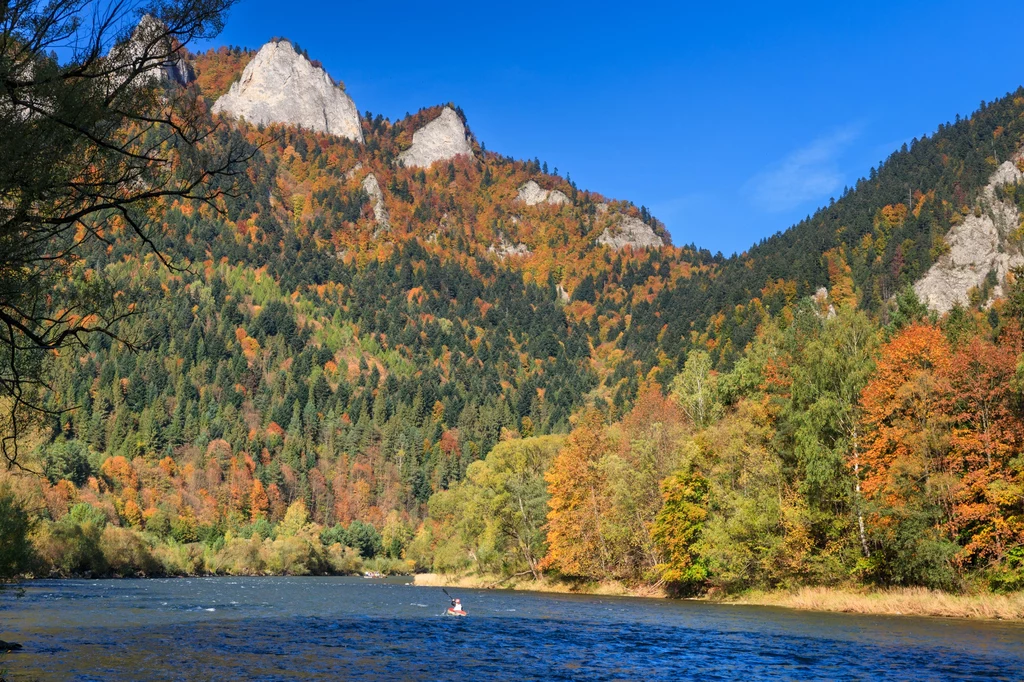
x: 351, y: 628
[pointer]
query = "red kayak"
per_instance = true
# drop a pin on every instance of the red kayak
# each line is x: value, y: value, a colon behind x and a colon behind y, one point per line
x: 453, y: 612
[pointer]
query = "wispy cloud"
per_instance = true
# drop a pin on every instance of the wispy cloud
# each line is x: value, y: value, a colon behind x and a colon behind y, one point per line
x: 808, y: 173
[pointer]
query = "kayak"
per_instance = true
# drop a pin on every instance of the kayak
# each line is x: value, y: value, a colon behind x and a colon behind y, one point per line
x: 453, y: 612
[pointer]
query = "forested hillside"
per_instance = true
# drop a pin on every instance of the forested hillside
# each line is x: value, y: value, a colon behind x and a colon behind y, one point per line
x: 311, y: 382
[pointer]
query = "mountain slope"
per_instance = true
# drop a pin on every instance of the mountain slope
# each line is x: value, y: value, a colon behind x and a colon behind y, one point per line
x: 360, y: 368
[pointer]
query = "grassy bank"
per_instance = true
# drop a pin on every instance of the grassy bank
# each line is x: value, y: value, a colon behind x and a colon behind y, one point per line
x: 891, y: 602
x: 910, y: 601
x: 487, y: 582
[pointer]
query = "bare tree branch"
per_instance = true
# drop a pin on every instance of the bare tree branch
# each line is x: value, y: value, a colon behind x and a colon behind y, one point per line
x: 96, y: 140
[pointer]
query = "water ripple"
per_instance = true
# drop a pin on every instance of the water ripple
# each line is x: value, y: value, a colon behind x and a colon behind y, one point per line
x: 337, y: 629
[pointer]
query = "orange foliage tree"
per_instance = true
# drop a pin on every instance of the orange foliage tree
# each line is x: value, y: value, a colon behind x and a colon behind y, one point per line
x: 903, y: 410
x: 987, y: 434
x: 905, y: 470
x: 259, y: 503
x: 119, y: 473
x: 946, y: 425
x: 575, y: 482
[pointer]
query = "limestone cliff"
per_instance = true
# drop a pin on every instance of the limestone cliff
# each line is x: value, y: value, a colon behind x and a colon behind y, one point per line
x: 531, y: 194
x: 978, y: 244
x: 281, y: 86
x: 178, y: 70
x: 632, y: 232
x: 442, y: 139
x: 380, y: 211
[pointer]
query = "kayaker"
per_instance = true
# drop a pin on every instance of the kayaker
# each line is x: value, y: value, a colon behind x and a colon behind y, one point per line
x: 456, y: 605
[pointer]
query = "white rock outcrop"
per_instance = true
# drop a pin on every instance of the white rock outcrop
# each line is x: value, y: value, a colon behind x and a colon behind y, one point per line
x: 504, y: 248
x: 380, y: 211
x: 531, y: 194
x: 632, y: 232
x: 558, y: 198
x: 281, y: 86
x: 978, y: 244
x: 178, y: 70
x: 442, y: 139
x: 354, y: 170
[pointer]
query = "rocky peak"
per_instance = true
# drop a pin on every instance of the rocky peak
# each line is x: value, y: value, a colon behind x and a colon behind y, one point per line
x: 442, y: 139
x: 531, y: 194
x: 152, y: 49
x: 632, y: 232
x: 978, y: 244
x: 281, y: 86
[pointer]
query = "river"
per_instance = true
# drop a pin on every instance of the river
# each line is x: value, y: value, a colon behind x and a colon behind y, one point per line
x: 352, y: 628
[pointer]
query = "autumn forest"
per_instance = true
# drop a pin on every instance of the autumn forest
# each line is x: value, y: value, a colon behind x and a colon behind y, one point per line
x: 480, y: 387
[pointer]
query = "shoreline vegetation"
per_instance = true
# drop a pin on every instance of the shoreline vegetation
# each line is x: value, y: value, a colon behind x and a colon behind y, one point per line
x: 906, y: 601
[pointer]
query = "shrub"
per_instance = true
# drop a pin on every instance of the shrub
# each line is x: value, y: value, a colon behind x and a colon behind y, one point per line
x: 159, y: 524
x: 67, y: 548
x: 344, y: 560
x: 1009, y: 576
x: 183, y: 530
x: 180, y: 559
x: 15, y: 548
x: 238, y: 557
x: 290, y: 555
x: 126, y: 554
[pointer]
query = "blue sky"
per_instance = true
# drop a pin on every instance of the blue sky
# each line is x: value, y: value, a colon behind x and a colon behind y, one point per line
x: 729, y: 123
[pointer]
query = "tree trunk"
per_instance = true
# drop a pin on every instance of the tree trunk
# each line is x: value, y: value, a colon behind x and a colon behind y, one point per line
x: 860, y: 507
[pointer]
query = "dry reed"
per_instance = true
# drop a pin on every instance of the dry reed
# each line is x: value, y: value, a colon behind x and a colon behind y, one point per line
x: 910, y: 601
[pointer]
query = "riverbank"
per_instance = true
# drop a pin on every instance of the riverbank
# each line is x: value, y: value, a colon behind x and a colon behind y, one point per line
x: 891, y: 602
x: 907, y: 601
x: 608, y: 588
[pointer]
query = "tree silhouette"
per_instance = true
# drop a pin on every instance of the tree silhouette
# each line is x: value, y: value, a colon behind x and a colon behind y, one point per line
x: 94, y: 136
